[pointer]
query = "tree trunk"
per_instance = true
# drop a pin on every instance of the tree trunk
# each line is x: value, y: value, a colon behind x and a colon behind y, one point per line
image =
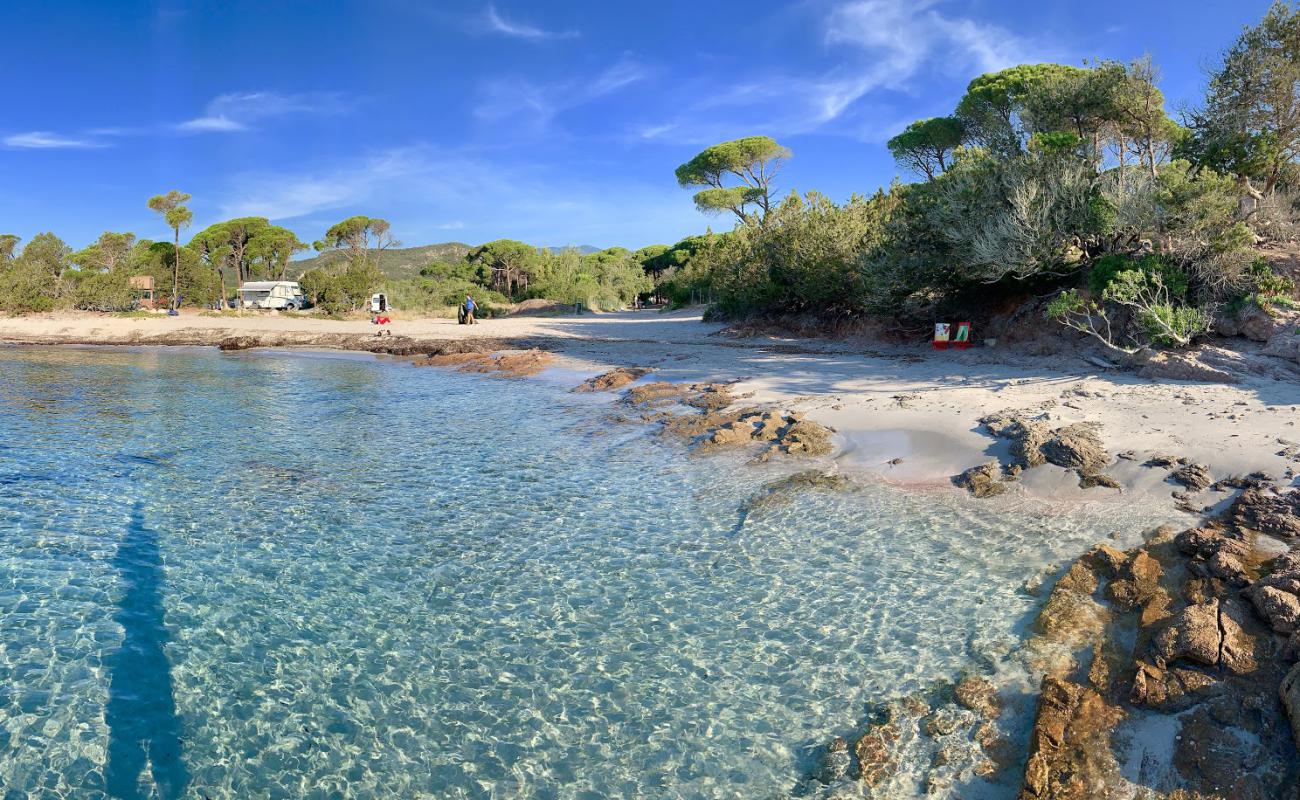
x: 176, y: 269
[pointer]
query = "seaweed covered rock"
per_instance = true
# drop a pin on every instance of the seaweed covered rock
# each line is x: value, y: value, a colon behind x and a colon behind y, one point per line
x: 982, y: 481
x: 835, y: 763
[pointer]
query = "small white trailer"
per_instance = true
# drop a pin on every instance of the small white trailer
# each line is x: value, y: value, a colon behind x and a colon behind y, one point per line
x: 276, y: 295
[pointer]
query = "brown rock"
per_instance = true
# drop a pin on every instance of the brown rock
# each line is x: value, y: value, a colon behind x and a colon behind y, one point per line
x: 1138, y: 582
x: 614, y: 379
x: 1099, y: 479
x: 1069, y: 749
x: 1279, y: 608
x: 1071, y: 615
x: 979, y: 695
x: 1077, y: 447
x: 1194, y: 476
x: 1268, y: 511
x: 1203, y: 543
x: 875, y: 753
x: 1027, y: 436
x: 982, y: 481
x: 1106, y: 560
x: 709, y: 397
x: 801, y: 437
x: 1209, y: 634
x: 658, y: 393
x: 1171, y: 689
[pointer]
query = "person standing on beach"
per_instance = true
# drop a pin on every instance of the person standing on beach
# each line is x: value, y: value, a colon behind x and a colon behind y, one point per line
x: 469, y: 310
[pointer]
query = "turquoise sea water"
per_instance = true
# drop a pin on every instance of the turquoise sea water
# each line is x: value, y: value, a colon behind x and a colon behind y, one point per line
x: 277, y: 575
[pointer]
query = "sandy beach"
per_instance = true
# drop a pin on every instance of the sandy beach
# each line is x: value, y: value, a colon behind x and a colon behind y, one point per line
x: 885, y: 402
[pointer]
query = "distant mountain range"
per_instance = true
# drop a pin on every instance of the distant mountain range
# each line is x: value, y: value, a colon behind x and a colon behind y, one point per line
x: 406, y: 262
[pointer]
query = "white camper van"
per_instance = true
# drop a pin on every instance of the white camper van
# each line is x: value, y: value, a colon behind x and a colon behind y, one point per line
x: 278, y: 295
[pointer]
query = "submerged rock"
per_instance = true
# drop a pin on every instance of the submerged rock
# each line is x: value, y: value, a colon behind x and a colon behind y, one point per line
x: 979, y: 695
x: 835, y: 764
x: 875, y: 753
x: 982, y: 481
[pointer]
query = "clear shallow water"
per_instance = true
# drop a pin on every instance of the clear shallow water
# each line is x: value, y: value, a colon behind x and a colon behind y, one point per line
x: 274, y: 575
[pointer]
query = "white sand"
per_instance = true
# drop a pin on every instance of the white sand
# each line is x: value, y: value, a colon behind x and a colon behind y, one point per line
x: 887, y: 402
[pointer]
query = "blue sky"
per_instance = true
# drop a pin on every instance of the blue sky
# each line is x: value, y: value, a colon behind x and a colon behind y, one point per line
x: 557, y: 123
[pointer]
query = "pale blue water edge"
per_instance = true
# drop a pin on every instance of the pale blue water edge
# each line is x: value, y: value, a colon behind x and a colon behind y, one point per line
x: 276, y: 575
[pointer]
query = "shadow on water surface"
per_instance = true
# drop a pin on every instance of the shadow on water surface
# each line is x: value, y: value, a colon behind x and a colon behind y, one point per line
x: 144, y: 729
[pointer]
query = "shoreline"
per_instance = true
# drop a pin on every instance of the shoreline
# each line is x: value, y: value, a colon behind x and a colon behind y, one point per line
x: 884, y: 402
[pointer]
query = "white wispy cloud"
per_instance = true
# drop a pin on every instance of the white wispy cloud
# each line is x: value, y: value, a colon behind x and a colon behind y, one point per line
x: 883, y: 46
x: 532, y: 105
x: 496, y: 23
x: 239, y: 111
x: 45, y: 140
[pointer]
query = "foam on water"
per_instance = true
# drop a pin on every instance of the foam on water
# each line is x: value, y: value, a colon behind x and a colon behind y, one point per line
x: 261, y: 574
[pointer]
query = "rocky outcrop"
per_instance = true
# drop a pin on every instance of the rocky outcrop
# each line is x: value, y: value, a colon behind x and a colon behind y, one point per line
x: 1268, y: 510
x: 1184, y: 625
x: 715, y: 425
x: 1033, y: 442
x: 982, y: 481
x: 658, y: 393
x: 1027, y: 436
x: 512, y: 363
x: 614, y: 379
x: 1209, y: 634
x: 1256, y: 323
x: 1070, y: 757
x: 1277, y: 595
x: 1194, y: 476
x: 1077, y: 447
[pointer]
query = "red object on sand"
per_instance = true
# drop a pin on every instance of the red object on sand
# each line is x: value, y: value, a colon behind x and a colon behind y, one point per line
x: 941, y: 336
x: 962, y: 340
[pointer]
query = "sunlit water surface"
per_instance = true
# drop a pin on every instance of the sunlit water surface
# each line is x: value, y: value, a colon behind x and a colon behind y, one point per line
x: 276, y: 575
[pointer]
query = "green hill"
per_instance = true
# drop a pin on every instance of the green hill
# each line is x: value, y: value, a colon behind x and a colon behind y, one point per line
x: 406, y: 262
x: 399, y: 262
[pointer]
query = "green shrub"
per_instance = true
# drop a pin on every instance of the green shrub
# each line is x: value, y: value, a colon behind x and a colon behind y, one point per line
x: 103, y: 291
x: 1106, y: 268
x: 26, y: 288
